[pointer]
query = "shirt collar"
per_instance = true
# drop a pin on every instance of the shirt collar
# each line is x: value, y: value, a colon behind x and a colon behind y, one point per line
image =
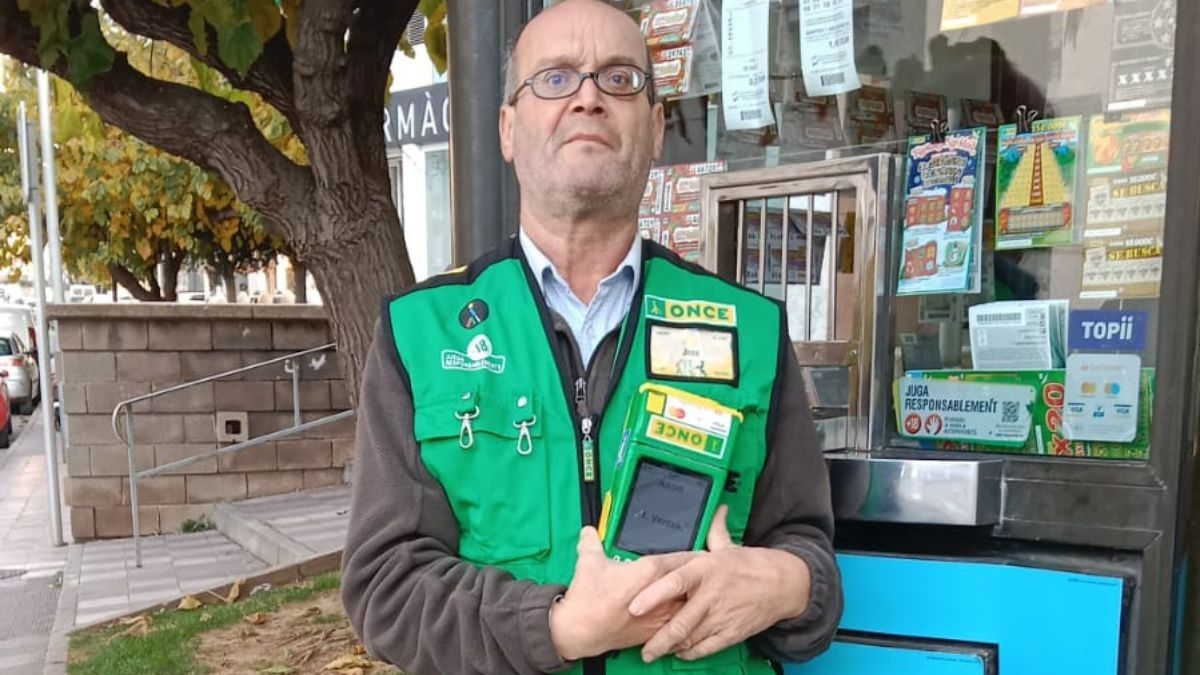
x: 543, y: 269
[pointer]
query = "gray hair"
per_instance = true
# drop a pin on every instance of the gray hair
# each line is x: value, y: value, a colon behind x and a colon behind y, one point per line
x: 511, y: 83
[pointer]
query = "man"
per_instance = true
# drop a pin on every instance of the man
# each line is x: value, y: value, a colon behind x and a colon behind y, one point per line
x: 493, y: 403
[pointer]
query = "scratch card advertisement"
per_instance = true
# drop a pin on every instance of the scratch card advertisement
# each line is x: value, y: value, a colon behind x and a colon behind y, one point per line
x: 1036, y: 183
x: 1127, y: 173
x: 943, y: 214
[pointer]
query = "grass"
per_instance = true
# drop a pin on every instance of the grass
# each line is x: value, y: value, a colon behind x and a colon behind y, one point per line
x: 169, y: 649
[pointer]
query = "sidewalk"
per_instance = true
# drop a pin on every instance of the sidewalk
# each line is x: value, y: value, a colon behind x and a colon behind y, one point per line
x: 30, y: 568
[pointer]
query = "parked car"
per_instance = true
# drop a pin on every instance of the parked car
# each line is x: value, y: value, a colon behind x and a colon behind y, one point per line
x: 81, y: 293
x: 6, y: 425
x: 20, y: 371
x: 19, y: 319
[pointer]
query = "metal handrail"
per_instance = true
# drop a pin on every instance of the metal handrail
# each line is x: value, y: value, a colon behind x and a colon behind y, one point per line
x: 291, y: 366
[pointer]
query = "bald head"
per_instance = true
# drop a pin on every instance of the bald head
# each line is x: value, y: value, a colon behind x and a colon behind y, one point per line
x: 566, y: 12
x: 581, y: 157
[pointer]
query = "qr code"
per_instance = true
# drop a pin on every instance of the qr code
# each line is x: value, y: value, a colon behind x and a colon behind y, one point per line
x: 1008, y: 414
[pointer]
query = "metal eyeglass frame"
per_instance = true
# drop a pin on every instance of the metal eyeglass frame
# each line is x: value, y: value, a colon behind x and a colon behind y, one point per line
x: 593, y: 75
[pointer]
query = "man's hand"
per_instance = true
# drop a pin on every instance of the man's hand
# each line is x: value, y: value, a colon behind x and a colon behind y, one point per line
x: 731, y: 593
x: 593, y: 616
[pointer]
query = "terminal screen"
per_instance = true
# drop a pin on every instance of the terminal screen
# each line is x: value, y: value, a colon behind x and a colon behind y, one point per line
x: 665, y: 507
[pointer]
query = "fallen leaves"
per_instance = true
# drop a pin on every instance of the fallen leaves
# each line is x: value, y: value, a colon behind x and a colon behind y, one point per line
x: 189, y: 602
x: 349, y: 662
x: 235, y: 591
x: 136, y: 626
x: 257, y: 618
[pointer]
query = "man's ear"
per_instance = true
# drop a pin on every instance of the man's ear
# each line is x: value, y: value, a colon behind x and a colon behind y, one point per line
x: 506, y: 122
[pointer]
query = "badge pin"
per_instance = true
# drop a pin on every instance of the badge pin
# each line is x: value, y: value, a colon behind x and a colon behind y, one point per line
x: 474, y: 313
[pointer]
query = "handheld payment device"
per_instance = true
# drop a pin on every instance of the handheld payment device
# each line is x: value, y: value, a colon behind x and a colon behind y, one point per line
x: 671, y: 469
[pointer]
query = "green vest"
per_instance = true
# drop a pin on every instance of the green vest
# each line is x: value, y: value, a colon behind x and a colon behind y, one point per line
x: 495, y: 409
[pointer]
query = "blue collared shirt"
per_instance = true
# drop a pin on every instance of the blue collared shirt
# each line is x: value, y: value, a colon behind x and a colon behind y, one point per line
x: 589, y: 322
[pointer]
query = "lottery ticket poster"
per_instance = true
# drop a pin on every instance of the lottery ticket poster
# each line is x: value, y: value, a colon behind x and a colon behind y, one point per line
x: 670, y: 208
x: 921, y: 110
x: 943, y: 214
x: 685, y: 50
x: 1128, y: 266
x: 810, y: 122
x: 1036, y: 182
x: 1127, y: 173
x: 870, y: 118
x: 1143, y: 54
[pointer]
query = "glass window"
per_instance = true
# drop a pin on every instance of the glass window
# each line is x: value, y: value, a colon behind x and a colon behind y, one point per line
x: 1058, y: 202
x: 437, y: 222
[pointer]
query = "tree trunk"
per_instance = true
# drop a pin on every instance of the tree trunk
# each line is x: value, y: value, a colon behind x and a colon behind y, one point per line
x: 300, y: 279
x: 353, y: 277
x: 171, y: 276
x: 123, y: 276
x: 230, y: 291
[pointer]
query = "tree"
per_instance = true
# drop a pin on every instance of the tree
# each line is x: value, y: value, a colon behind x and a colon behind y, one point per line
x: 322, y: 64
x: 14, y: 245
x: 127, y: 208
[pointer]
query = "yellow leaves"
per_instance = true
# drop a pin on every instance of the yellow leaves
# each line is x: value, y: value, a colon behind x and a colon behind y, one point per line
x: 146, y: 250
x: 256, y: 619
x: 235, y: 589
x: 136, y: 626
x: 437, y: 46
x: 188, y: 603
x: 266, y: 17
x: 291, y: 9
x: 346, y: 665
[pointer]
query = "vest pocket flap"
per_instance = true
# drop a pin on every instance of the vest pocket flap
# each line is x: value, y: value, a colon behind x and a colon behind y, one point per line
x: 507, y: 415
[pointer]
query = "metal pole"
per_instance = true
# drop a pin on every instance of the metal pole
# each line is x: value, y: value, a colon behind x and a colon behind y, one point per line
x: 29, y: 184
x: 50, y: 187
x: 808, y: 265
x: 54, y: 240
x: 482, y: 190
x: 293, y: 367
x: 133, y: 490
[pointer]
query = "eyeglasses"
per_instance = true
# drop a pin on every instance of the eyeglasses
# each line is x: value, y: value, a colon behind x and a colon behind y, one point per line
x: 555, y: 83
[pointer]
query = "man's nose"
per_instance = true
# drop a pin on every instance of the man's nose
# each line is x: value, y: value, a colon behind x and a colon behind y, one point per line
x: 589, y: 99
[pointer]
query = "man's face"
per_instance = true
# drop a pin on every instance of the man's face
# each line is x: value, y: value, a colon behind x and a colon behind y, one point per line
x: 589, y: 153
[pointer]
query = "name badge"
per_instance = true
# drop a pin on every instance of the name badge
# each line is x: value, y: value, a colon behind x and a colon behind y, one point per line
x: 693, y: 353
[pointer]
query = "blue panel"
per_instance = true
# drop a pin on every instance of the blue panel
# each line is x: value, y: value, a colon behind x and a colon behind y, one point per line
x: 851, y: 658
x: 1045, y: 622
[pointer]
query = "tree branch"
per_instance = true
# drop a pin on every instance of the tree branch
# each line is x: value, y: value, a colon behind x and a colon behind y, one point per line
x: 270, y: 76
x: 124, y: 277
x: 216, y: 134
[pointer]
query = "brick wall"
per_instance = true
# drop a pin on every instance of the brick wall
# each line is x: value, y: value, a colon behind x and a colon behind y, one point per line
x: 114, y: 352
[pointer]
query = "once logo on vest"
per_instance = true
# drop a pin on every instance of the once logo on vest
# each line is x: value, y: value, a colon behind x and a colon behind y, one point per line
x: 684, y: 436
x: 690, y: 311
x: 478, y: 356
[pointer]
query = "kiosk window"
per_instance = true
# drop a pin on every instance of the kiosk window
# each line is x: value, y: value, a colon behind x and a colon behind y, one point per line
x: 664, y: 509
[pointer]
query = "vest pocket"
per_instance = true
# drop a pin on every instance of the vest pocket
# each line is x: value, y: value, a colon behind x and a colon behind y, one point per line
x: 486, y: 450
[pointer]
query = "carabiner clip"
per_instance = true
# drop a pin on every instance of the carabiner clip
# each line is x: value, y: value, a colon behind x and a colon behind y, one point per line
x: 466, y: 435
x: 524, y: 440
